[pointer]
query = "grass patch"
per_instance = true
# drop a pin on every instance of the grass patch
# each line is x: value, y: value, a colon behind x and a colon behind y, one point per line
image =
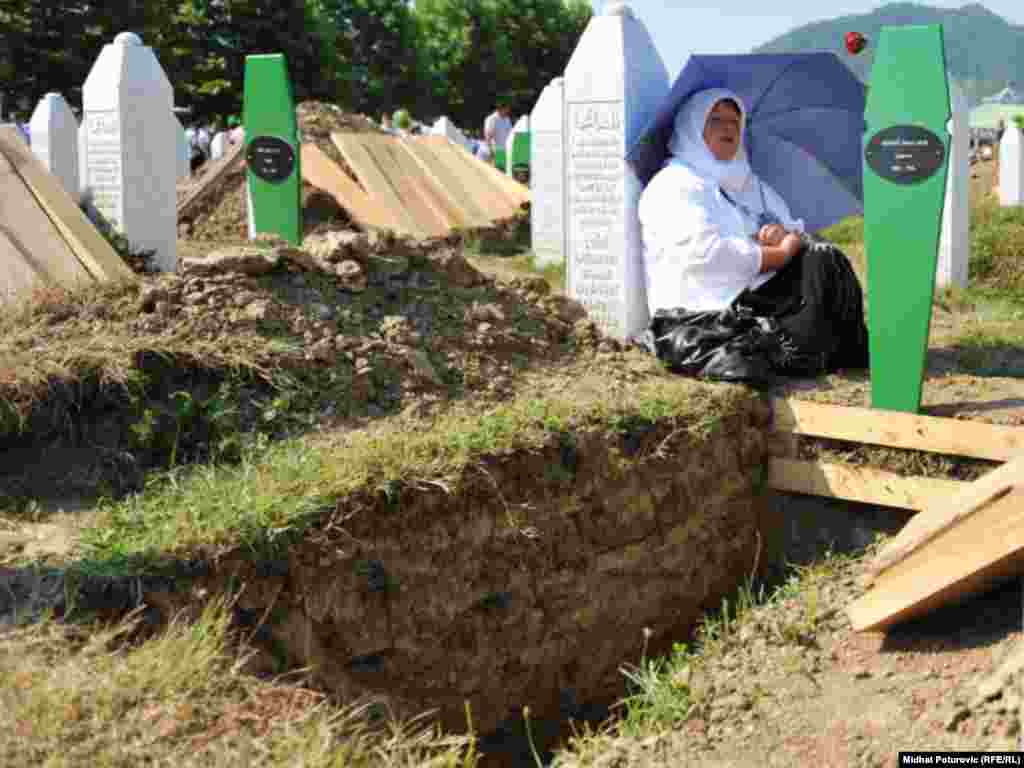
x: 988, y: 351
x: 511, y: 240
x: 279, y: 492
x: 664, y: 692
x: 77, y: 695
x: 997, y: 248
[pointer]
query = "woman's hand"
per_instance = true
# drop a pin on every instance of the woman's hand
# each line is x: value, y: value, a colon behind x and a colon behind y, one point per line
x: 791, y: 244
x: 771, y: 234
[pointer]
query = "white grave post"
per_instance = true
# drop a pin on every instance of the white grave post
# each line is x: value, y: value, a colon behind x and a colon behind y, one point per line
x: 614, y: 82
x: 127, y: 104
x: 1011, y: 166
x: 445, y: 127
x: 522, y: 126
x: 83, y: 165
x: 547, y: 177
x: 55, y: 140
x: 954, y: 246
x: 184, y: 168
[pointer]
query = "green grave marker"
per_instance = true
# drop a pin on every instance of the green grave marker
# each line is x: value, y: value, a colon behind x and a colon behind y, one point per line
x: 272, y: 149
x: 906, y: 155
x: 520, y: 152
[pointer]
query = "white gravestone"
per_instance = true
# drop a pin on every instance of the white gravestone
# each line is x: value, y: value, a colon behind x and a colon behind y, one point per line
x: 522, y: 126
x: 131, y: 133
x: 614, y: 82
x: 184, y: 169
x: 55, y: 140
x: 445, y: 127
x: 954, y: 246
x: 83, y: 165
x: 1011, y: 166
x: 547, y: 177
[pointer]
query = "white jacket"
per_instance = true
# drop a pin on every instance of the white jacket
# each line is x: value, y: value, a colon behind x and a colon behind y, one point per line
x: 699, y: 250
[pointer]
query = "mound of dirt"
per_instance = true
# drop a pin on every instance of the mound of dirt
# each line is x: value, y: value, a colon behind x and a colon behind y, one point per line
x: 221, y: 216
x: 367, y: 324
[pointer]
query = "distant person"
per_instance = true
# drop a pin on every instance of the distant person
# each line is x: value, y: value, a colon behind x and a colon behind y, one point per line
x: 498, y: 127
x: 236, y: 132
x: 218, y: 145
x: 203, y: 139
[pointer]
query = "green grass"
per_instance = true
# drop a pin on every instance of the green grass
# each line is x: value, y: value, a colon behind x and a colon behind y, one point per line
x: 990, y: 352
x: 80, y: 695
x: 276, y: 492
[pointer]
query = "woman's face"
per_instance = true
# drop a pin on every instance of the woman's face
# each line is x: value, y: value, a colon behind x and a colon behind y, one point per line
x: 722, y: 131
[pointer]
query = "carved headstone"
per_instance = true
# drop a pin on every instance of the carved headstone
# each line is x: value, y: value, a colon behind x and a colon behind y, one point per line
x: 55, y: 140
x: 953, y: 245
x: 1011, y: 167
x: 547, y: 177
x: 131, y: 133
x: 614, y: 82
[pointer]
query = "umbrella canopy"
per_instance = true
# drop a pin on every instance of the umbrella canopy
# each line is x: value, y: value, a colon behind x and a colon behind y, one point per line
x: 805, y: 127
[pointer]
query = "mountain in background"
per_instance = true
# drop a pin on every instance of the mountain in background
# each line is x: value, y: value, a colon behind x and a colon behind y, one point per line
x: 983, y: 51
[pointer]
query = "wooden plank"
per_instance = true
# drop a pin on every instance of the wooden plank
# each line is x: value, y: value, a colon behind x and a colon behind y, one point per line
x: 376, y: 182
x: 447, y: 183
x: 935, y: 434
x: 497, y: 204
x: 89, y: 247
x: 231, y: 160
x: 32, y: 252
x: 415, y: 189
x: 947, y: 513
x: 323, y: 173
x: 862, y: 484
x: 517, y: 194
x: 979, y: 551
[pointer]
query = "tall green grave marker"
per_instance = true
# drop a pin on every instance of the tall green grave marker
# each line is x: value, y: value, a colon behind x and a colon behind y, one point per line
x: 272, y: 149
x: 906, y: 154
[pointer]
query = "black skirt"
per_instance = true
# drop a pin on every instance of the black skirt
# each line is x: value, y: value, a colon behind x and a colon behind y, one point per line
x: 807, y: 319
x: 817, y: 301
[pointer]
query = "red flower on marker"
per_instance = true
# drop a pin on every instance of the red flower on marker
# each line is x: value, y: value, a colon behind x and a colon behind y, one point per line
x: 855, y: 42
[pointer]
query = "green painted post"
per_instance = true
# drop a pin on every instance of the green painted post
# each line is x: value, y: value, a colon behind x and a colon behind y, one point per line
x: 520, y: 159
x: 906, y: 155
x: 272, y: 149
x: 499, y: 158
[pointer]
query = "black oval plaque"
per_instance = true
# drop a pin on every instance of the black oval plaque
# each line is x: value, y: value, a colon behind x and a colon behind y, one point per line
x: 905, y: 154
x: 270, y: 158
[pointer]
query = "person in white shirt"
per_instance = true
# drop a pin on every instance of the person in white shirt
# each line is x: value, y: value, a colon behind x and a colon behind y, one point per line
x: 498, y: 127
x: 218, y: 144
x: 714, y: 232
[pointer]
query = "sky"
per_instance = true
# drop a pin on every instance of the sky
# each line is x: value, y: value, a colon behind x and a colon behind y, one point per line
x: 680, y: 28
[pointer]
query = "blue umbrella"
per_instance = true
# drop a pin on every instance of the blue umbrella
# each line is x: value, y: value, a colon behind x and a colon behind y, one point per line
x: 805, y: 125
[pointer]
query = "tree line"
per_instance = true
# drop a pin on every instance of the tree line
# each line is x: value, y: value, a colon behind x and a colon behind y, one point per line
x: 432, y: 57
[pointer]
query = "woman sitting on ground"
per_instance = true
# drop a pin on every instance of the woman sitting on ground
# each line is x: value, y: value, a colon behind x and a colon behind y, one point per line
x: 714, y: 233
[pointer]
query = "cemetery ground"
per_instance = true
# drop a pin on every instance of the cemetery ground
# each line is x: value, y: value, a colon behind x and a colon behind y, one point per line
x: 218, y: 393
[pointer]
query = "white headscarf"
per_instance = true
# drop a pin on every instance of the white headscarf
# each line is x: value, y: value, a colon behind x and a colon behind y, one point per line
x: 687, y: 144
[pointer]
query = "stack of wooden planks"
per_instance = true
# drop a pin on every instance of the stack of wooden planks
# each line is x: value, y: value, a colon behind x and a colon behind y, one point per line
x: 957, y: 547
x: 417, y: 186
